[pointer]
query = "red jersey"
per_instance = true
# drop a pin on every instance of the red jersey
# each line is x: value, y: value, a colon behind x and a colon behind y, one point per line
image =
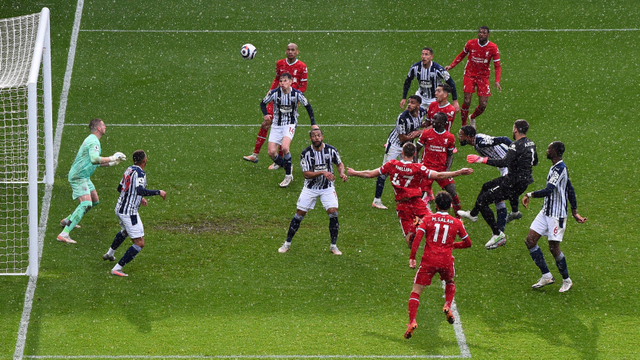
x: 436, y: 148
x: 440, y: 231
x: 479, y: 59
x: 298, y: 70
x: 405, y: 177
x: 448, y: 110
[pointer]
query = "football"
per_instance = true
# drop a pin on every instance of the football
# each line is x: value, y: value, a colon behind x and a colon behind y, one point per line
x: 248, y: 51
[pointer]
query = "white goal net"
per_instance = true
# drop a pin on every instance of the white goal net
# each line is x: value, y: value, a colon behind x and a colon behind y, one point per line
x: 26, y: 156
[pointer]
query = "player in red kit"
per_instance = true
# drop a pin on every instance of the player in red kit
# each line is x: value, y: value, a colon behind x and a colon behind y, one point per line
x: 442, y: 105
x: 298, y: 71
x: 406, y: 177
x: 440, y: 231
x: 438, y: 146
x: 476, y: 73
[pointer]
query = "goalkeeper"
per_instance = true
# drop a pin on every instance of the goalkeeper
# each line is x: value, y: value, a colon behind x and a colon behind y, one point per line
x: 85, y: 164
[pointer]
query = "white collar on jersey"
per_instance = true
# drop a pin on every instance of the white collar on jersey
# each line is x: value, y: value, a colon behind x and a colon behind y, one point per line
x: 288, y: 63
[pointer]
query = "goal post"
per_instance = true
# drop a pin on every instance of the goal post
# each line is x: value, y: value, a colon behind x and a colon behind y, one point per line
x: 26, y: 137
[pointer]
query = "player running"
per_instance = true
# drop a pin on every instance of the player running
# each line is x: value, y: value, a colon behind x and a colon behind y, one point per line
x: 406, y: 178
x: 299, y: 72
x: 482, y: 53
x: 87, y: 161
x: 132, y: 188
x: 440, y: 231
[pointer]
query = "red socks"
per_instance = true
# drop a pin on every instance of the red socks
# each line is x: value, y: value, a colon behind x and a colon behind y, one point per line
x: 414, y: 302
x: 262, y: 137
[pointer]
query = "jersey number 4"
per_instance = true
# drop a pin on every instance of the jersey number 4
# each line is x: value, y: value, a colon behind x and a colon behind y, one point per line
x: 445, y: 232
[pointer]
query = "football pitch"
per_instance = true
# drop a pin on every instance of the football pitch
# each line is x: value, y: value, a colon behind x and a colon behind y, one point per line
x: 167, y: 77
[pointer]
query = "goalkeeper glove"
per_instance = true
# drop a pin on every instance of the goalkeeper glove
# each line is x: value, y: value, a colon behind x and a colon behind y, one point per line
x: 118, y: 156
x: 476, y: 159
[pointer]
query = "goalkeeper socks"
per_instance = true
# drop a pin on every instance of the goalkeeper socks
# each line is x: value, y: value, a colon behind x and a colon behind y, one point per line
x: 561, y: 263
x: 129, y: 255
x: 293, y: 227
x: 488, y: 216
x: 77, y: 215
x: 117, y: 241
x: 287, y: 163
x: 414, y: 302
x: 262, y: 137
x: 538, y: 258
x: 380, y: 186
x: 449, y: 292
x: 334, y: 227
x: 464, y: 114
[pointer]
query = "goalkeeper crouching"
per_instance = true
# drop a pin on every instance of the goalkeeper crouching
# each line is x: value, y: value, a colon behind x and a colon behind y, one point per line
x: 85, y: 164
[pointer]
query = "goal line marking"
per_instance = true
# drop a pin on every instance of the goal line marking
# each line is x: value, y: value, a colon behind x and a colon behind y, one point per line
x: 351, y: 31
x: 46, y: 200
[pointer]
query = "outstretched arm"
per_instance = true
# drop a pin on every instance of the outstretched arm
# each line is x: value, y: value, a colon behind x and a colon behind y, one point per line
x: 449, y: 174
x: 364, y: 173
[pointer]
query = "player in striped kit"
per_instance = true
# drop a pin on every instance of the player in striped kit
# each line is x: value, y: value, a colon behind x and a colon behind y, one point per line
x: 482, y: 53
x: 284, y: 121
x: 299, y: 72
x: 132, y: 188
x: 492, y: 148
x: 429, y: 75
x: 552, y: 219
x: 408, y: 127
x: 317, y: 163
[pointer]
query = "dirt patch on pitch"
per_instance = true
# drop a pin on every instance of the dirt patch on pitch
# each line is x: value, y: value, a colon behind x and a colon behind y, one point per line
x: 216, y: 226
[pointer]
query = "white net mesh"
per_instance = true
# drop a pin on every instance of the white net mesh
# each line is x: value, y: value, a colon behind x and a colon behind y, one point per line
x: 17, y: 41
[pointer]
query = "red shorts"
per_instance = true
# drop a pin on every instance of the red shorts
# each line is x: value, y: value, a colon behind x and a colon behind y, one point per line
x: 407, y: 212
x: 427, y: 184
x: 469, y: 85
x: 426, y: 272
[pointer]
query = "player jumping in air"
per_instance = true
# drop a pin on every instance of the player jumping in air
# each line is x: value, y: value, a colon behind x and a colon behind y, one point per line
x: 299, y: 72
x: 87, y: 161
x: 132, y: 189
x: 440, y: 231
x: 482, y: 53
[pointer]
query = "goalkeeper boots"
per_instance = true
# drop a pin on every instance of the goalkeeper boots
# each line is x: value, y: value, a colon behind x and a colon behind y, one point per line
x: 467, y: 215
x: 253, y: 158
x: 411, y: 327
x: 496, y: 241
x: 64, y: 237
x: 514, y: 216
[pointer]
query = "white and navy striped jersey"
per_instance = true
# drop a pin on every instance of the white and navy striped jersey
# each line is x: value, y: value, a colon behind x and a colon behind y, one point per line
x: 428, y: 81
x: 132, y: 188
x: 557, y: 192
x: 323, y: 160
x: 285, y: 106
x: 405, y: 123
x: 493, y: 148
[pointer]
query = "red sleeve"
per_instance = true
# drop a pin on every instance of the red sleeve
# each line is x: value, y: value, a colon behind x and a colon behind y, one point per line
x: 420, y: 231
x: 303, y: 77
x: 452, y: 142
x: 462, y: 233
x: 496, y: 64
x: 423, y: 138
x: 384, y: 169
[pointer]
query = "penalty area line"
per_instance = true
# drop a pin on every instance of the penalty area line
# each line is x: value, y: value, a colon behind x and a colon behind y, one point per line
x: 230, y: 125
x: 246, y: 356
x: 349, y: 31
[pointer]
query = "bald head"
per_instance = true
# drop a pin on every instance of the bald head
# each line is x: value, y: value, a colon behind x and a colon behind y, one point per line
x: 292, y: 52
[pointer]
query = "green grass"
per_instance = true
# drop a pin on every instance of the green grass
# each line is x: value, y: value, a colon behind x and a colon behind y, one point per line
x: 210, y: 281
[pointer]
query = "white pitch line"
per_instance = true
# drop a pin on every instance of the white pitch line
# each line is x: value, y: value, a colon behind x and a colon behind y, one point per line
x: 231, y: 125
x: 46, y: 200
x: 246, y: 357
x: 349, y: 31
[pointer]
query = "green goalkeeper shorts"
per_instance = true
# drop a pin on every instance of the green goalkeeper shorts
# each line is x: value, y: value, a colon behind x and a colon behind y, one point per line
x: 81, y: 187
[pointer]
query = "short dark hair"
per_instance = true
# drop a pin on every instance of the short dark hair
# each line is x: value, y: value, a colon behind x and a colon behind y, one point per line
x: 439, y: 116
x: 430, y: 50
x: 558, y: 147
x: 443, y: 200
x: 416, y: 98
x: 522, y: 126
x: 312, y: 130
x: 138, y: 157
x: 287, y: 75
x: 446, y: 88
x: 93, y: 124
x: 468, y: 130
x: 484, y: 27
x: 409, y: 149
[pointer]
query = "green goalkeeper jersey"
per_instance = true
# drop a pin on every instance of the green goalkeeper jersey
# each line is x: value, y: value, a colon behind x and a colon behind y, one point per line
x: 87, y: 160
